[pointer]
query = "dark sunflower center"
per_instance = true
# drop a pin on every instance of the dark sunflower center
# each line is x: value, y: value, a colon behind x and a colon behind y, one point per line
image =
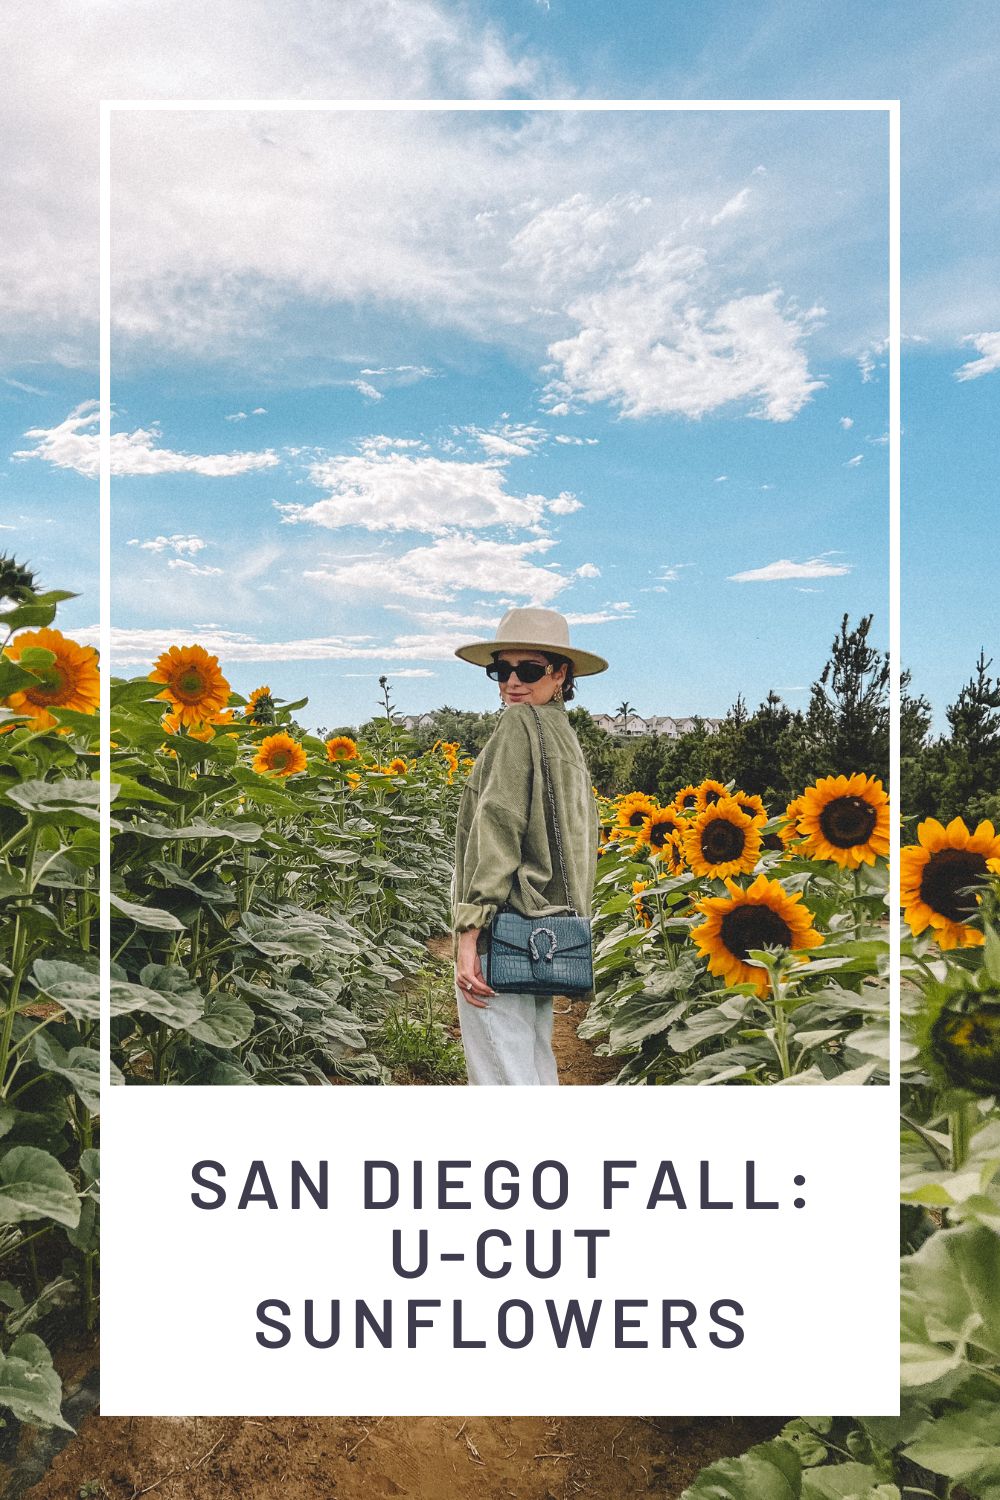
x: 637, y: 817
x: 772, y: 841
x: 711, y: 796
x: 945, y: 873
x: 660, y: 832
x: 279, y: 759
x: 53, y: 686
x: 722, y: 841
x: 190, y: 684
x: 747, y: 927
x: 847, y: 821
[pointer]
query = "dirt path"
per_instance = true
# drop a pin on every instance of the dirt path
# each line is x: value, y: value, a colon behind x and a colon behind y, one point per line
x: 423, y: 1458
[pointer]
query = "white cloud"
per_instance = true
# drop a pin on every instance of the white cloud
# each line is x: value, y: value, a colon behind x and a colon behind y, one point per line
x: 648, y: 345
x: 816, y: 567
x: 405, y: 374
x: 847, y: 423
x: 379, y: 442
x: 19, y: 385
x: 73, y: 444
x: 564, y: 504
x: 368, y: 391
x: 721, y: 478
x: 259, y: 411
x: 236, y: 416
x: 988, y: 345
x: 394, y: 491
x: 446, y: 567
x: 514, y: 440
x: 141, y: 646
x: 241, y: 48
x: 602, y: 616
x: 179, y: 543
x: 562, y: 437
x: 852, y: 463
x: 396, y: 672
x: 576, y: 237
x: 588, y: 570
x: 734, y: 206
x: 190, y: 567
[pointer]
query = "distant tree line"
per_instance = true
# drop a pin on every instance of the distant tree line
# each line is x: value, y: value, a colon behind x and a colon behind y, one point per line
x: 775, y: 750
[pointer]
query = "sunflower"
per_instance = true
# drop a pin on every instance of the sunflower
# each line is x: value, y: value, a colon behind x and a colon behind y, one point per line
x: 341, y: 747
x: 260, y: 706
x: 752, y: 805
x: 686, y: 800
x: 640, y: 911
x: 397, y: 766
x: 935, y: 873
x: 279, y: 755
x: 789, y: 830
x: 671, y: 854
x: 195, y: 687
x: 722, y: 840
x: 353, y: 779
x: 70, y: 681
x: 845, y: 819
x: 764, y: 915
x: 634, y: 809
x: 205, y: 731
x: 657, y: 827
x: 708, y: 793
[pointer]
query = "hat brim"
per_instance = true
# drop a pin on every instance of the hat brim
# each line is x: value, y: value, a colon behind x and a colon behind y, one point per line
x: 585, y: 663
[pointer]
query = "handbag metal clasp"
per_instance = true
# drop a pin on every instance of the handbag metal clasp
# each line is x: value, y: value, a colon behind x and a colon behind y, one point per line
x: 539, y: 932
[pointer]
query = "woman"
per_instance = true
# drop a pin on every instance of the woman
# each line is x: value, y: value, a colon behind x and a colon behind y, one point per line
x: 503, y: 849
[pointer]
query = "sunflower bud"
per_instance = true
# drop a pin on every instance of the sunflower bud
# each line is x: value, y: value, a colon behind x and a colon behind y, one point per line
x: 16, y: 580
x: 965, y: 1042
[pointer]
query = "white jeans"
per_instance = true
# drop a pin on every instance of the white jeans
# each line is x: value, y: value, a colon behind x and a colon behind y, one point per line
x: 509, y: 1040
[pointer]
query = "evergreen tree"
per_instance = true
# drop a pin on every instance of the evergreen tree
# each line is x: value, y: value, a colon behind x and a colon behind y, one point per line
x: 971, y: 780
x: 847, y: 722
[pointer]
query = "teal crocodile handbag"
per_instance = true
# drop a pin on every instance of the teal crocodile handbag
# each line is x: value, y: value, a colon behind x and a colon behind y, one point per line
x: 550, y: 955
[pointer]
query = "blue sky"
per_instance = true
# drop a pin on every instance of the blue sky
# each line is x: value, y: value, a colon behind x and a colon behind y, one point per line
x: 377, y: 377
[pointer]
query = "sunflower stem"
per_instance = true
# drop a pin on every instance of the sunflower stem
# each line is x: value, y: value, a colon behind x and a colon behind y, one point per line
x: 960, y: 1123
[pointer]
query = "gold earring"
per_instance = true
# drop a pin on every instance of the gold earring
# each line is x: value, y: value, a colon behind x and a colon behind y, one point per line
x: 557, y: 695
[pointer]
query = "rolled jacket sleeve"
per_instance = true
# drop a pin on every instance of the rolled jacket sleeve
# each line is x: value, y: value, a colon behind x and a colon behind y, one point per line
x: 492, y: 822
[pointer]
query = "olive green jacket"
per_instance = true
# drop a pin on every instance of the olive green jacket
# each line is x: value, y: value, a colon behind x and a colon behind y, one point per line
x: 505, y: 851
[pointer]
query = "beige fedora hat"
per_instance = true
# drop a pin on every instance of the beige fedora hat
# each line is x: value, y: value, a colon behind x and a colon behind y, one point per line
x: 532, y: 629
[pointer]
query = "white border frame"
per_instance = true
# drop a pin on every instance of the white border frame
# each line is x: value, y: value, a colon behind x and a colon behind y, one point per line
x: 891, y: 107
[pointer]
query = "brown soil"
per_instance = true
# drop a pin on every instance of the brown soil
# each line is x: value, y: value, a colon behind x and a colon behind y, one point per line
x: 424, y: 1458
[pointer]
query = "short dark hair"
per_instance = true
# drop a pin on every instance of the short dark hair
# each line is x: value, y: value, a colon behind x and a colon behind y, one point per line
x: 568, y: 688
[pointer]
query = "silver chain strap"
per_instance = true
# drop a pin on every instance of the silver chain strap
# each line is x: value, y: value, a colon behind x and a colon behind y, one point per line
x: 552, y: 805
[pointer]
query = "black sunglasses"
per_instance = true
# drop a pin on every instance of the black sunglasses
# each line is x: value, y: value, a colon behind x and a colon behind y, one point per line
x: 527, y: 671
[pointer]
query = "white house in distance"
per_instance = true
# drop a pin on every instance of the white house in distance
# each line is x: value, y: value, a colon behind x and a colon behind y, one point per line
x: 656, y: 724
x: 635, y: 725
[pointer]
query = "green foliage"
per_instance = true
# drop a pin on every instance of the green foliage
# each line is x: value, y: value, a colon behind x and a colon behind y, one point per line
x: 669, y: 1021
x: 259, y: 921
x: 414, y: 1041
x: 49, y: 1061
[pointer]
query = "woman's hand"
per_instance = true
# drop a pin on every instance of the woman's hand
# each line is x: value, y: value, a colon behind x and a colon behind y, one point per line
x: 468, y: 970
